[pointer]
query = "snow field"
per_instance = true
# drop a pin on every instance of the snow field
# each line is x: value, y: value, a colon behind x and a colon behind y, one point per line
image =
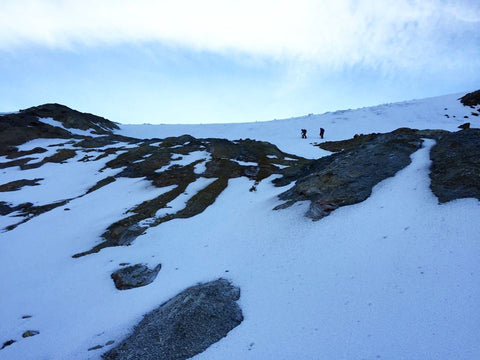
x: 393, y: 277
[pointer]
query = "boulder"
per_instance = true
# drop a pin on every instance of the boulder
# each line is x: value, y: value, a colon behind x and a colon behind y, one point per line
x: 455, y: 170
x: 185, y: 325
x: 134, y: 276
x: 30, y: 333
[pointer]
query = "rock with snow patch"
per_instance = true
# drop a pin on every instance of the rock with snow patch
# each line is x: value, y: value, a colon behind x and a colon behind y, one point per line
x: 134, y: 276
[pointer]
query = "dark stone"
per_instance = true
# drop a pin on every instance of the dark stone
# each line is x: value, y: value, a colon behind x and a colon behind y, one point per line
x: 464, y: 126
x: 18, y: 184
x: 185, y: 325
x: 101, y: 183
x: 110, y: 342
x: 471, y: 99
x: 455, y: 170
x: 96, y: 347
x: 7, y: 343
x: 134, y: 276
x: 29, y: 333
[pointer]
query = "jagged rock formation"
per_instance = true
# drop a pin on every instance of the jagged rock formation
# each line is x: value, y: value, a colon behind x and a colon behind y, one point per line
x: 134, y: 276
x: 348, y: 177
x: 185, y: 325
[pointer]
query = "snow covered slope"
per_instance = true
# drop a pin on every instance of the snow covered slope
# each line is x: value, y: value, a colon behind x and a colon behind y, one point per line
x: 393, y: 277
x: 338, y: 125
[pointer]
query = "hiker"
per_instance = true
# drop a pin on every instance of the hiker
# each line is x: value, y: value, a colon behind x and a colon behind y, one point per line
x: 322, y: 131
x: 304, y: 133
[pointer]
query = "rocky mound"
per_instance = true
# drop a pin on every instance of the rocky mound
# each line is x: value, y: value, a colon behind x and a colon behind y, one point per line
x: 18, y: 128
x: 185, y: 325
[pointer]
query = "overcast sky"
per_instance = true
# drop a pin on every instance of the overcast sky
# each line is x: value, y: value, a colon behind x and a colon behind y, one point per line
x: 228, y: 61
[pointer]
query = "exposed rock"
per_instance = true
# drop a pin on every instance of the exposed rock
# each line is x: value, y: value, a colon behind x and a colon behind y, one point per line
x: 134, y: 276
x: 464, y: 126
x: 347, y: 177
x: 18, y: 128
x: 15, y: 154
x: 349, y: 144
x: 96, y: 347
x: 28, y: 210
x: 109, y: 342
x: 471, y: 99
x: 29, y: 333
x: 7, y: 343
x: 455, y: 170
x: 185, y: 325
x: 18, y: 184
x: 26, y: 316
x: 72, y: 118
x: 220, y: 164
x: 101, y: 183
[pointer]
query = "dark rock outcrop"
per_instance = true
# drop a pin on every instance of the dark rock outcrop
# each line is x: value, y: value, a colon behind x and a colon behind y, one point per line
x: 134, y: 276
x: 72, y: 118
x: 464, y: 126
x: 30, y: 333
x: 347, y: 177
x: 18, y: 184
x: 455, y: 170
x: 221, y: 163
x: 7, y: 343
x: 471, y: 99
x: 18, y: 128
x: 185, y: 325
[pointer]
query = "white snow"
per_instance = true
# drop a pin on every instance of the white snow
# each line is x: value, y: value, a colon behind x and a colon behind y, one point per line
x: 246, y: 163
x: 74, y: 131
x: 179, y: 202
x: 339, y: 125
x: 183, y: 160
x: 394, y: 277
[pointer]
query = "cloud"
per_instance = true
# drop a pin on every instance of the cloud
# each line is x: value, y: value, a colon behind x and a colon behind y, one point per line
x: 336, y: 33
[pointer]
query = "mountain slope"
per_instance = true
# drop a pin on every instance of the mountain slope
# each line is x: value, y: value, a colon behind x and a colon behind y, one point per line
x: 370, y: 280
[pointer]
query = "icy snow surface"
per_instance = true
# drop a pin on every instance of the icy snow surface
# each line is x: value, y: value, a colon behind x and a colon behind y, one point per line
x: 393, y: 277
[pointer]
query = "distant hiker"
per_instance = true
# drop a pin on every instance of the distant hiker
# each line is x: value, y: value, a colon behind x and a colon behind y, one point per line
x: 304, y: 133
x: 464, y: 126
x: 322, y: 131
